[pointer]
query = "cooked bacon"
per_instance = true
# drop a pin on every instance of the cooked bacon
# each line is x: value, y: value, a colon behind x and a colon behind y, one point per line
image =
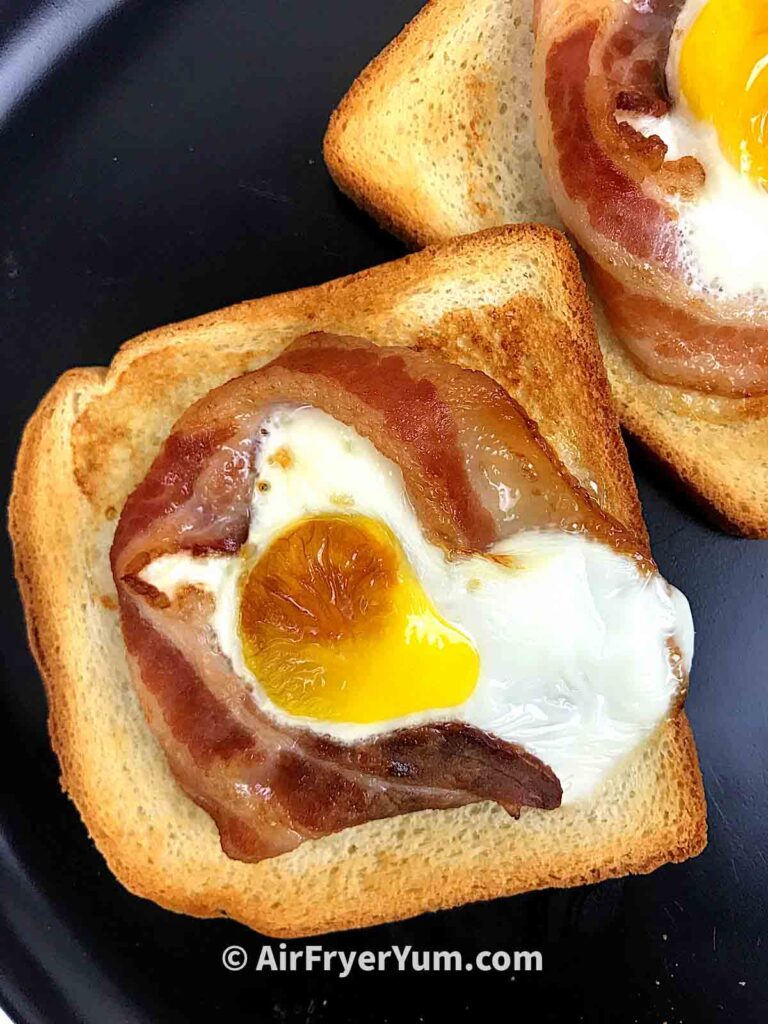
x: 635, y: 55
x: 686, y: 346
x: 597, y: 60
x: 460, y: 441
x: 269, y: 787
x: 455, y: 434
x: 594, y: 60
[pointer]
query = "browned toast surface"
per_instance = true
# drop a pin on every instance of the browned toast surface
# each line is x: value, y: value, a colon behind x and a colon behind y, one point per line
x: 509, y: 302
x: 435, y: 139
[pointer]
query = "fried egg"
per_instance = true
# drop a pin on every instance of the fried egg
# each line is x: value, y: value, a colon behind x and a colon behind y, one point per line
x: 717, y: 76
x: 341, y: 616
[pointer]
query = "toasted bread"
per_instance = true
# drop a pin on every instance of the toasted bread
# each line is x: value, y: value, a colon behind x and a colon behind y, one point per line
x: 436, y: 139
x: 509, y: 302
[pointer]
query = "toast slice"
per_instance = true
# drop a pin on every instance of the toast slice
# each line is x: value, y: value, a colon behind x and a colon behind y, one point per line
x: 436, y: 139
x: 508, y: 301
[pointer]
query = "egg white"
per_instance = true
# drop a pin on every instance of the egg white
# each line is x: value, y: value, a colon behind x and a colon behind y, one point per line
x: 725, y: 228
x: 575, y: 661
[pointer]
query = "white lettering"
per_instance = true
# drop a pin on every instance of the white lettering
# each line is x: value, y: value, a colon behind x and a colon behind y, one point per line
x: 523, y: 960
x: 367, y: 960
x: 280, y: 958
x: 401, y: 955
x: 482, y: 961
x: 347, y: 959
x: 266, y: 959
x: 445, y: 961
x: 313, y: 955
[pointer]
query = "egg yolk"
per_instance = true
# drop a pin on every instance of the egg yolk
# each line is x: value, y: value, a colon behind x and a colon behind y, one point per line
x: 724, y: 79
x: 334, y: 625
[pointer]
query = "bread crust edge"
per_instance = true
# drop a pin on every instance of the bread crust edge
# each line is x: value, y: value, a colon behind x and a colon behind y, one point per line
x: 407, y: 884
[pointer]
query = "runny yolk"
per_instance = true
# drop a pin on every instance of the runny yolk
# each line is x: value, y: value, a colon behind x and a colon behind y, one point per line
x: 334, y: 625
x: 724, y: 79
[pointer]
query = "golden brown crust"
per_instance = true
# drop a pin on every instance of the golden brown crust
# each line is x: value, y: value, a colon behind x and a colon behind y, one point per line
x: 435, y: 139
x: 415, y: 136
x: 391, y: 209
x: 507, y: 301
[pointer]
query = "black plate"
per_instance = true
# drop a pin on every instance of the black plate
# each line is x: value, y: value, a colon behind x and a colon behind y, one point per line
x: 162, y: 159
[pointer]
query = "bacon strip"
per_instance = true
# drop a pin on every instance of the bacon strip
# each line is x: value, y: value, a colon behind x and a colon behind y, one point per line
x: 617, y: 205
x: 684, y: 345
x: 459, y: 439
x: 269, y: 787
x: 596, y: 60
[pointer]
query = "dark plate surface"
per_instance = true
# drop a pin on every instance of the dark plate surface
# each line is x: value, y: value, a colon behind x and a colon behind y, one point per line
x: 162, y: 159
